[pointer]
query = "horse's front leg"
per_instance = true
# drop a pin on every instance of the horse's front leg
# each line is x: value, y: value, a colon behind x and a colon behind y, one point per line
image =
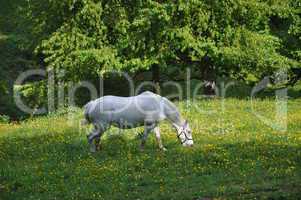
x: 148, y: 127
x: 158, y: 138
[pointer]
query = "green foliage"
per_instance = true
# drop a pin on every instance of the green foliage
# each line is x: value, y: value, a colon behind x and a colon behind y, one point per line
x: 16, y: 53
x: 84, y: 38
x: 240, y: 37
x: 4, y: 119
x: 232, y: 158
x: 34, y: 95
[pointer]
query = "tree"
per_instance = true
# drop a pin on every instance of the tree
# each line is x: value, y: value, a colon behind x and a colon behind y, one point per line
x: 16, y: 55
x: 234, y: 38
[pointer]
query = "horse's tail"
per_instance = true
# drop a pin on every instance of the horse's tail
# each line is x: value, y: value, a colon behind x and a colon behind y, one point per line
x: 86, y: 120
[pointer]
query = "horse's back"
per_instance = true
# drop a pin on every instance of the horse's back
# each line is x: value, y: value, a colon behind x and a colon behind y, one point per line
x: 144, y: 101
x: 135, y: 109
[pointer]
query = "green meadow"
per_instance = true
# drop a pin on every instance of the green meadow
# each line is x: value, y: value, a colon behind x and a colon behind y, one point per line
x: 236, y: 156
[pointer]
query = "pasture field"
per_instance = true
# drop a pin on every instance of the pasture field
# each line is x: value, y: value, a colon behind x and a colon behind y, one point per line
x: 235, y: 156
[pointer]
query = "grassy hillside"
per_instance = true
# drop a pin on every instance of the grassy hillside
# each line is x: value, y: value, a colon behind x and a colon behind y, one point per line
x: 236, y: 156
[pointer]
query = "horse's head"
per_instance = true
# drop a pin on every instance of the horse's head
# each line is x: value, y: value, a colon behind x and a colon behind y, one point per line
x: 185, y: 134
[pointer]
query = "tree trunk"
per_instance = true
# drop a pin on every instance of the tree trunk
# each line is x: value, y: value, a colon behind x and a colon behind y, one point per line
x: 10, y: 87
x: 156, y: 78
x: 208, y: 75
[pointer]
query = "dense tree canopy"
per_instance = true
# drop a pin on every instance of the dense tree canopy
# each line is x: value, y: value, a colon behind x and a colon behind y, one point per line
x: 240, y: 39
x: 16, y: 53
x: 231, y: 37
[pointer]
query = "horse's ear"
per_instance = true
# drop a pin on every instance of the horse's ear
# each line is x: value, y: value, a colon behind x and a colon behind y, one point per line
x: 185, y: 124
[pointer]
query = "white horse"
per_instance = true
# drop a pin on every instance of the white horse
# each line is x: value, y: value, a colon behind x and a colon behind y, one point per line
x: 146, y: 109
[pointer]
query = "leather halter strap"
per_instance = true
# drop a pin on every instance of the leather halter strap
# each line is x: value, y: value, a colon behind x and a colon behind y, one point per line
x: 186, y: 138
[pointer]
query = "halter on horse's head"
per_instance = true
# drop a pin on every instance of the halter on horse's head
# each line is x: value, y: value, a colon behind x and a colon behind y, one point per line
x: 185, y: 135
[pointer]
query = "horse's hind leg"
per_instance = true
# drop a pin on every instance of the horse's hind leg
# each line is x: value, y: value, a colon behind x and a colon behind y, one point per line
x: 91, y: 137
x: 97, y: 143
x: 95, y: 135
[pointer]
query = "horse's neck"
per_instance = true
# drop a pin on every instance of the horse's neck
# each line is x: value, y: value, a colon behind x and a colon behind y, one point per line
x: 176, y: 119
x: 172, y: 113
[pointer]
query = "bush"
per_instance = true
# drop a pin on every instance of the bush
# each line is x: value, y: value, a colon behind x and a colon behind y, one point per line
x: 4, y: 119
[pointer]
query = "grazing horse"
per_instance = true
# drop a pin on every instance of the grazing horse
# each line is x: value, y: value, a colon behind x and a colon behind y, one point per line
x: 146, y: 109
